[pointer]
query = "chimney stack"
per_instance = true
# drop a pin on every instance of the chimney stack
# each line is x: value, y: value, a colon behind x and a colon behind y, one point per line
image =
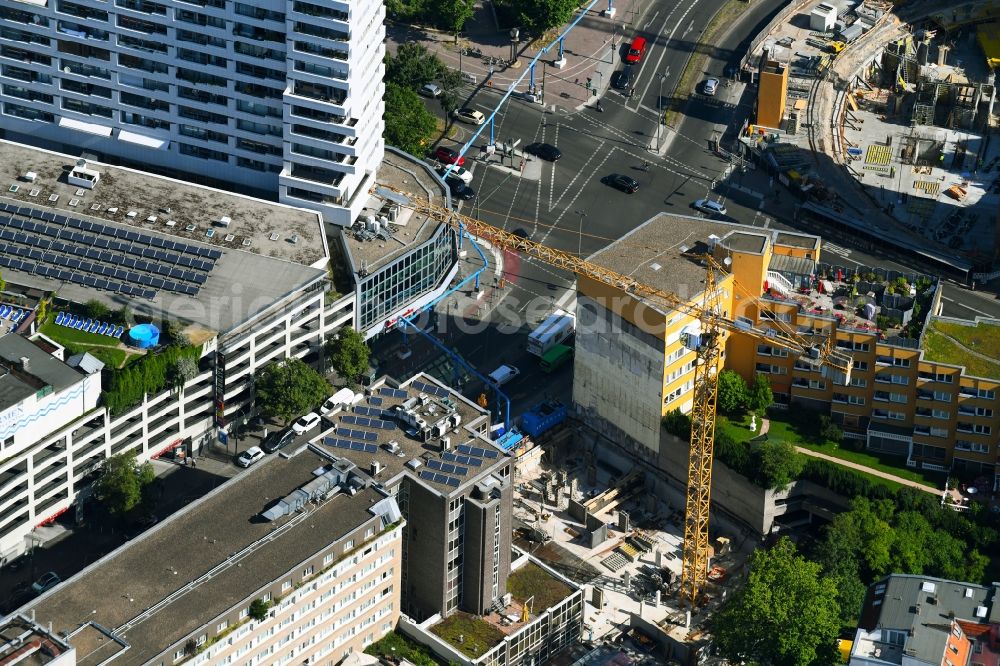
x: 25, y: 363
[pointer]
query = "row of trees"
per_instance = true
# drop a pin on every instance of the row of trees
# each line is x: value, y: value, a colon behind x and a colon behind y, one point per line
x: 535, y: 16
x: 409, y: 125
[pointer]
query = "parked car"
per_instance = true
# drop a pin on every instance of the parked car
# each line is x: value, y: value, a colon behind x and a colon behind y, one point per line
x: 710, y: 207
x: 460, y: 190
x: 622, y: 79
x: 448, y: 156
x: 621, y: 182
x: 46, y: 582
x: 430, y: 90
x: 710, y: 87
x: 636, y: 50
x: 305, y: 423
x: 503, y: 374
x: 457, y: 173
x: 250, y: 456
x: 278, y: 440
x: 544, y: 150
x: 470, y: 116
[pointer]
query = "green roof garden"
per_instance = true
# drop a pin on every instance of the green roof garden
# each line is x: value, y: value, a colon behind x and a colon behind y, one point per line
x: 976, y: 347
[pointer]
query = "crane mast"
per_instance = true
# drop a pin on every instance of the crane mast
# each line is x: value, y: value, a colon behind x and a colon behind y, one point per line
x: 694, y: 573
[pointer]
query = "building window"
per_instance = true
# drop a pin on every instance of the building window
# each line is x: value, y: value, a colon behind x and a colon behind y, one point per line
x: 286, y: 585
x: 222, y: 626
x: 348, y: 545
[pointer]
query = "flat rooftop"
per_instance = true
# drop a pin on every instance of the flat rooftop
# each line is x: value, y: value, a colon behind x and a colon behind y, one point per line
x: 155, y: 590
x: 372, y: 422
x: 123, y: 259
x: 653, y: 253
x: 17, y: 383
x: 972, y: 345
x: 419, y: 182
x: 268, y: 227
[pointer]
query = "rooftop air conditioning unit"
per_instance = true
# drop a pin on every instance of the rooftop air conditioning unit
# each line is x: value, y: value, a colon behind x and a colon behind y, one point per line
x: 225, y: 221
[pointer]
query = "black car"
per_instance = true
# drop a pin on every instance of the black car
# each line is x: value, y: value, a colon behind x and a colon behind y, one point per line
x: 277, y: 441
x: 621, y: 182
x: 460, y: 190
x: 622, y: 79
x: 544, y: 150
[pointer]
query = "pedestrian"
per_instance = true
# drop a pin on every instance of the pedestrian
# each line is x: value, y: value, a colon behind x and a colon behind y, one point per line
x: 599, y: 106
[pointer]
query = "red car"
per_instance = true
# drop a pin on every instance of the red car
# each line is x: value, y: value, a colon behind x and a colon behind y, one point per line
x: 448, y: 156
x: 636, y: 50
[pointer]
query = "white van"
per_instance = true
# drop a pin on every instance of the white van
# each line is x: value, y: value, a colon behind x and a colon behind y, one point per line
x: 503, y: 374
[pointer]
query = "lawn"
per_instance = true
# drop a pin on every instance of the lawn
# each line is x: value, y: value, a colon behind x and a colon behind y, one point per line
x: 477, y: 634
x: 107, y: 349
x: 983, y: 338
x: 805, y: 434
x: 395, y: 645
x: 532, y: 580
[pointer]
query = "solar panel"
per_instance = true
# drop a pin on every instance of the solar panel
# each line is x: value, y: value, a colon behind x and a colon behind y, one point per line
x: 170, y: 285
x: 89, y: 281
x: 20, y: 238
x: 434, y: 464
x: 27, y: 267
x: 392, y: 393
x: 157, y: 242
x: 149, y: 293
x: 199, y: 279
x: 77, y: 278
x: 375, y: 400
x: 185, y: 261
x: 102, y: 283
x: 491, y: 454
x: 60, y: 219
x: 424, y: 474
x: 28, y: 225
x: 36, y: 255
x: 42, y: 269
x: 214, y: 254
x: 102, y: 242
x: 87, y: 225
x: 349, y: 419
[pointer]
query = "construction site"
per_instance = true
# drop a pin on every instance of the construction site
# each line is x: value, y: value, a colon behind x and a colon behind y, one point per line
x: 893, y: 103
x: 595, y: 518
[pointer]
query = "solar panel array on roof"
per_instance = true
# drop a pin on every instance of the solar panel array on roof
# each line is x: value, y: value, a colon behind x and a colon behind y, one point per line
x: 375, y: 401
x: 391, y: 392
x: 465, y: 460
x: 476, y: 451
x: 348, y: 444
x: 440, y: 478
x: 100, y: 256
x: 431, y: 389
x: 371, y: 411
x: 367, y: 422
x: 447, y: 467
x: 357, y: 434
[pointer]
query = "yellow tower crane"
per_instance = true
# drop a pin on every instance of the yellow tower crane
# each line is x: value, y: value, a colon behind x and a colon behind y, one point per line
x: 823, y: 355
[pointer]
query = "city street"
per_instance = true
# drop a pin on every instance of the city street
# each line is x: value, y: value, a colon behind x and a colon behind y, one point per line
x: 565, y: 204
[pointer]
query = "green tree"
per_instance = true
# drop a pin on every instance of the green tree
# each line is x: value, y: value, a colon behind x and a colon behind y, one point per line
x: 451, y: 15
x: 288, y: 388
x: 348, y: 353
x: 184, y: 369
x: 451, y: 84
x: 408, y: 123
x: 121, y: 482
x: 537, y: 16
x: 759, y: 395
x: 785, y: 614
x: 775, y: 464
x: 258, y: 609
x: 862, y: 535
x: 95, y: 309
x: 732, y: 392
x: 678, y: 424
x: 412, y: 66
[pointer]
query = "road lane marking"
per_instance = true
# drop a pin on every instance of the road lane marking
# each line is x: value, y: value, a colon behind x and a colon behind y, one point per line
x: 666, y: 44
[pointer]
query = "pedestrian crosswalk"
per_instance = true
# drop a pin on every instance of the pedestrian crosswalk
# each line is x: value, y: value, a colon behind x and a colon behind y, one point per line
x: 878, y: 154
x: 836, y: 249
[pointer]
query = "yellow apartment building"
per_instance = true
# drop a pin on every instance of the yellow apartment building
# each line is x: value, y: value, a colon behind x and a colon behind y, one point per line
x: 910, y: 393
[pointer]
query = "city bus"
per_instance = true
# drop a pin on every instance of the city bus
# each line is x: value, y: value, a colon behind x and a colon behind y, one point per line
x: 557, y: 327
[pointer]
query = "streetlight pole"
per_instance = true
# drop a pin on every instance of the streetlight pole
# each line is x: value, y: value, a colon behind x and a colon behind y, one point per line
x: 579, y: 246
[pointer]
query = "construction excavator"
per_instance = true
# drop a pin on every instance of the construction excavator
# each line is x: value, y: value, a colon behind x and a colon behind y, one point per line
x: 822, y: 354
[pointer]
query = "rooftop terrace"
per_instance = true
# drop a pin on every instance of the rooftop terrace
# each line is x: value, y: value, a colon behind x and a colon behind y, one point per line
x: 175, y: 208
x: 26, y: 643
x: 157, y: 589
x: 373, y: 430
x: 528, y: 583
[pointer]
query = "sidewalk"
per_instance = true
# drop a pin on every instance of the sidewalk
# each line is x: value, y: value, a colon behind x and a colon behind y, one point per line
x: 868, y: 470
x: 591, y: 49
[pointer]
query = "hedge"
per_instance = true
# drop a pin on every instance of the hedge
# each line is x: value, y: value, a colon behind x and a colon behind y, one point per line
x: 125, y: 387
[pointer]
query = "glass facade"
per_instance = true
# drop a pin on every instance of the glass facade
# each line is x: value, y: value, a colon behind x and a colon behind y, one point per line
x: 406, y: 279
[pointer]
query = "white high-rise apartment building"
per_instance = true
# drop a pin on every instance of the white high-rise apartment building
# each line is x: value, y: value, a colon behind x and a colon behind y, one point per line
x: 281, y: 98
